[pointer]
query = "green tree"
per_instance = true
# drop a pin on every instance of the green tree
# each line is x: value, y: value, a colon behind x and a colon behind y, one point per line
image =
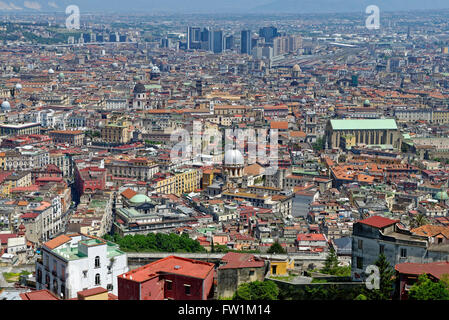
x: 257, y: 290
x: 276, y: 248
x: 386, y: 281
x: 419, y: 221
x: 426, y: 289
x: 331, y: 262
x: 319, y: 144
x: 361, y: 297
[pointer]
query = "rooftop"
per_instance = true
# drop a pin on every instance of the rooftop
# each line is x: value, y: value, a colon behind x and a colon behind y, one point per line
x: 363, y: 124
x: 171, y: 265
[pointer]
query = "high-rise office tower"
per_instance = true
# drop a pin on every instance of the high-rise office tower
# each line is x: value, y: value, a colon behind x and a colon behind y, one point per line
x: 113, y: 37
x: 229, y: 42
x: 245, y: 42
x: 86, y: 37
x: 164, y: 43
x: 193, y: 38
x: 205, y: 43
x: 269, y: 33
x: 217, y: 41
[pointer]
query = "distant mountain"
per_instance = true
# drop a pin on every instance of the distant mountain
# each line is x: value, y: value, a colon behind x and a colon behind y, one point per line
x: 219, y: 6
x: 333, y: 6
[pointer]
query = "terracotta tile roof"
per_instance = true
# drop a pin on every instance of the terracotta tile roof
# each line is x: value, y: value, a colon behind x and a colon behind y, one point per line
x: 378, y: 222
x: 39, y: 295
x: 56, y: 242
x: 436, y: 269
x: 281, y: 125
x: 91, y: 292
x: 311, y: 237
x: 129, y: 193
x: 431, y: 231
x: 236, y: 260
x: 172, y: 265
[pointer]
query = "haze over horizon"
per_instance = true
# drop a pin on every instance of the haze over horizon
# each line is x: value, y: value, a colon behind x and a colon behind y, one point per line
x: 224, y: 6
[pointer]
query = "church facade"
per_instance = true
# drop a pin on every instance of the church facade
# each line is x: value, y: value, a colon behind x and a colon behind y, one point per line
x: 363, y: 131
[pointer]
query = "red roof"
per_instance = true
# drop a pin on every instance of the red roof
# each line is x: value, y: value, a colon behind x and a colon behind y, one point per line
x: 4, y: 237
x: 39, y: 295
x: 236, y: 260
x: 378, y: 222
x: 173, y: 265
x: 436, y: 269
x: 29, y: 215
x: 91, y: 292
x: 311, y: 237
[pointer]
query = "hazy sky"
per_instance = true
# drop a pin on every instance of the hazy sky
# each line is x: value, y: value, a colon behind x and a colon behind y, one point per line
x: 223, y: 6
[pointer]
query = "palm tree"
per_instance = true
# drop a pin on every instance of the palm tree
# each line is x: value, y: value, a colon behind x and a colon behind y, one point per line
x: 419, y: 221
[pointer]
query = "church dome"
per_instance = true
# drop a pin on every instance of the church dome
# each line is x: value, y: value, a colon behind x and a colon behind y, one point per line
x: 51, y: 71
x: 139, y: 88
x: 233, y: 157
x: 18, y: 86
x: 442, y: 195
x: 367, y: 103
x: 6, y: 105
x: 140, y: 198
x: 296, y: 68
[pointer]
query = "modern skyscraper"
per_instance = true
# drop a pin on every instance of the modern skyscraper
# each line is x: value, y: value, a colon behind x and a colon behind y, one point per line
x: 86, y: 37
x: 269, y: 33
x: 229, y: 42
x: 245, y: 42
x: 217, y: 41
x: 193, y: 38
x: 205, y: 43
x: 113, y: 37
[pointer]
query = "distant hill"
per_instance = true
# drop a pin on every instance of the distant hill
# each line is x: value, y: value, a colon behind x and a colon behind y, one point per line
x: 219, y: 6
x: 333, y: 6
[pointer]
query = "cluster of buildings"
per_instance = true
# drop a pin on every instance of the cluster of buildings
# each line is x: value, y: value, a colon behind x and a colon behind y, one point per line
x: 88, y: 147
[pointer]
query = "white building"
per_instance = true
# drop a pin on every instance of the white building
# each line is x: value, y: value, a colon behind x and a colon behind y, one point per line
x: 76, y: 262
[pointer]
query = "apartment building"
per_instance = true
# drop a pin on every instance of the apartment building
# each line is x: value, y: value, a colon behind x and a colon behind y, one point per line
x: 75, y: 262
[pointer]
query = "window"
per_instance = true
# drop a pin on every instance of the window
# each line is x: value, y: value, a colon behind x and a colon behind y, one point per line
x: 97, y: 262
x: 168, y: 285
x: 85, y: 273
x: 55, y: 286
x: 187, y: 289
x: 403, y: 253
x: 251, y: 272
x: 110, y: 287
x: 39, y: 276
x: 381, y: 249
x: 97, y: 279
x: 359, y: 262
x: 360, y: 244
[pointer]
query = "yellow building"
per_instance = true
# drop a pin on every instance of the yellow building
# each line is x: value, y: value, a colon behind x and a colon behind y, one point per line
x: 180, y: 182
x: 97, y: 293
x: 115, y: 133
x: 281, y: 268
x: 2, y: 160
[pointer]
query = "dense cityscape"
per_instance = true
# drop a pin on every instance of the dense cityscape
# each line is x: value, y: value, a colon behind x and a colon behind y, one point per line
x: 224, y: 157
